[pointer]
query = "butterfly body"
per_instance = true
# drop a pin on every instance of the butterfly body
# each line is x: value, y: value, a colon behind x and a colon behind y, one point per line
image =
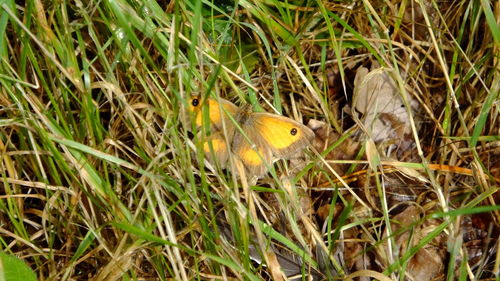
x: 254, y: 138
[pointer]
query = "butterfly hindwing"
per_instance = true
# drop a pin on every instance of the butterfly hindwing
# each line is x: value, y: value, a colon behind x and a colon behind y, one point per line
x: 216, y: 147
x: 251, y: 151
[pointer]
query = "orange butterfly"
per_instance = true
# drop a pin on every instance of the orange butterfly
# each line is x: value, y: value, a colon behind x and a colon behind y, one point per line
x: 260, y: 138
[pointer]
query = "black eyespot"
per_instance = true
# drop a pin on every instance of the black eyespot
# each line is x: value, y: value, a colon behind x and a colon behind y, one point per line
x: 293, y: 131
x: 195, y: 102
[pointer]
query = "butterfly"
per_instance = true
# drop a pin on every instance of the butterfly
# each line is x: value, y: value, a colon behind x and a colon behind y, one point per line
x: 254, y: 138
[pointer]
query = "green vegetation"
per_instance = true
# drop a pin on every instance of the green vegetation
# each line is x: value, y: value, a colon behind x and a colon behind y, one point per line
x: 103, y: 175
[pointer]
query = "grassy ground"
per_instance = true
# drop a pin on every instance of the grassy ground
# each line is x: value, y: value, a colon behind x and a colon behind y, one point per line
x: 102, y: 178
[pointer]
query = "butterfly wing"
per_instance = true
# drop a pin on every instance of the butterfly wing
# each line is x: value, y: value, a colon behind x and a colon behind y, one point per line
x: 216, y: 149
x: 217, y: 114
x: 250, y: 150
x: 254, y: 155
x: 282, y: 135
x: 215, y: 146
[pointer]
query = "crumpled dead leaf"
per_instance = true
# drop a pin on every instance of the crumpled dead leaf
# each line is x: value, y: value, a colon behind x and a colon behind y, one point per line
x: 384, y: 115
x: 427, y: 263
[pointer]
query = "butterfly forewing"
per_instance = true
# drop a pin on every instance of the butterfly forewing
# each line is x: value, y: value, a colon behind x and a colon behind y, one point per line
x: 217, y: 114
x: 282, y: 135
